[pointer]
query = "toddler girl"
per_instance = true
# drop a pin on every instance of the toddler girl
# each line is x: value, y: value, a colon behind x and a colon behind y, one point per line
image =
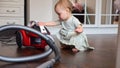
x: 71, y: 33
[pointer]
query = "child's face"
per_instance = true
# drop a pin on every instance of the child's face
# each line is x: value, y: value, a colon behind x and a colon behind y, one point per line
x: 63, y: 14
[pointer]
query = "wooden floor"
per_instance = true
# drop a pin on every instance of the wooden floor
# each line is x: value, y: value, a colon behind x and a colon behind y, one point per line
x: 104, y: 55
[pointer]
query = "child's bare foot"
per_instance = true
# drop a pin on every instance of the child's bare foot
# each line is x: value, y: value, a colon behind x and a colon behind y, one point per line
x: 75, y: 50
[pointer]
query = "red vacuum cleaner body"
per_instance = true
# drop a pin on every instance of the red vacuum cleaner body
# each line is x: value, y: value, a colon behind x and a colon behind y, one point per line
x: 25, y: 38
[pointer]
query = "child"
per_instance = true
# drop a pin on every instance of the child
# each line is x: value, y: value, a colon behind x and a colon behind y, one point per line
x: 71, y: 32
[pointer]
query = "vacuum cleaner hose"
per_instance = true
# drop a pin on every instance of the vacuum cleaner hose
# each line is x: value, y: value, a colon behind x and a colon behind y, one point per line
x: 39, y: 56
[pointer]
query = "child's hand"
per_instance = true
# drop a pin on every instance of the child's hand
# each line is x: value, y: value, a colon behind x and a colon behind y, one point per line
x: 78, y: 30
x: 41, y: 24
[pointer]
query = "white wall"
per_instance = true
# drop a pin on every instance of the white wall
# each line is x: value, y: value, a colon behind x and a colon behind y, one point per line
x: 41, y: 10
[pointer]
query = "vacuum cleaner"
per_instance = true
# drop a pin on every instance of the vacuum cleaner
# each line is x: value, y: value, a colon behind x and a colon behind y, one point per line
x: 25, y: 38
x: 40, y: 41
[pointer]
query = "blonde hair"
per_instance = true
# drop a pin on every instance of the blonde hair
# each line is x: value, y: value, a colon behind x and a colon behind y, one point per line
x: 64, y: 4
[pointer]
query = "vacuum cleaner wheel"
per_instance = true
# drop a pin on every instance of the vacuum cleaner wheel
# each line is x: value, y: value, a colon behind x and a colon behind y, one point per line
x: 19, y: 39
